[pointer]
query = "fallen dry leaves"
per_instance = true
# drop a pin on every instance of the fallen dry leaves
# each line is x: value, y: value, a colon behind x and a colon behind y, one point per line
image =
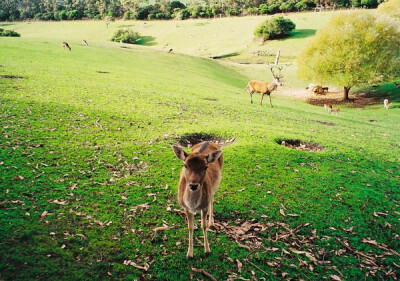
x: 144, y: 267
x: 202, y: 271
x: 252, y: 235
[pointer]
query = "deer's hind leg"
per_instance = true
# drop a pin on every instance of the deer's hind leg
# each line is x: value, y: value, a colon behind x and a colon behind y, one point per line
x: 251, y: 96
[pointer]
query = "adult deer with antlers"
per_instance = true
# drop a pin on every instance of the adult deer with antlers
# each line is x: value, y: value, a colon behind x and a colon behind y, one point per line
x: 264, y: 87
x: 200, y: 178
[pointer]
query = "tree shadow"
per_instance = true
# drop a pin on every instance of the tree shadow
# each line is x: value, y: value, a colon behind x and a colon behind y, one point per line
x: 6, y: 24
x: 383, y: 91
x: 146, y: 41
x: 302, y: 33
x: 125, y: 25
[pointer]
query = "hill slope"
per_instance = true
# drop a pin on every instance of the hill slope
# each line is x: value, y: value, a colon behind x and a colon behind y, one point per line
x: 87, y: 172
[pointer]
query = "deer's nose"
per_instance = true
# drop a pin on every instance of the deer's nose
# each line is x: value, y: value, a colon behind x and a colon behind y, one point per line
x: 194, y: 186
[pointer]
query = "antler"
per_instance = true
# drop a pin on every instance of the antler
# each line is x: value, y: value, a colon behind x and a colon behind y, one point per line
x: 279, y: 71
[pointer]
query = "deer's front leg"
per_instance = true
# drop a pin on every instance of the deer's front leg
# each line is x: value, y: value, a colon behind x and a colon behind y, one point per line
x: 211, y: 214
x: 190, y: 218
x: 262, y: 96
x: 269, y: 96
x: 251, y: 96
x: 204, y: 227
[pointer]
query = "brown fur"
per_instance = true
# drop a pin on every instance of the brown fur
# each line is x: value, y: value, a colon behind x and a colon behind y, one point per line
x: 263, y: 88
x: 208, y: 179
x: 397, y: 85
x: 65, y: 45
x: 334, y: 109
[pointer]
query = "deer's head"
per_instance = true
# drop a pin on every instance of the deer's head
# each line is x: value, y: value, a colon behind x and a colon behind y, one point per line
x: 195, y: 166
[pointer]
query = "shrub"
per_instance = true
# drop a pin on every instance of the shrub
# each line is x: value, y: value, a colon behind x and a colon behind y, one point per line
x: 9, y: 33
x: 143, y: 12
x: 127, y: 15
x: 61, y: 15
x: 74, y: 15
x: 303, y: 5
x: 48, y: 16
x: 287, y: 6
x: 264, y: 9
x: 177, y: 4
x: 125, y: 35
x: 274, y: 28
x: 369, y: 3
x: 38, y: 16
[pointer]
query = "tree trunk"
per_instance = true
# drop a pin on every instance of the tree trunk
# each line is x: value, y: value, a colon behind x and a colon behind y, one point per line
x: 346, y: 93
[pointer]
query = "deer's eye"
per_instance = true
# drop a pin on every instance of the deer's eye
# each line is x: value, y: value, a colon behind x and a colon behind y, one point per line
x: 185, y: 166
x: 205, y: 168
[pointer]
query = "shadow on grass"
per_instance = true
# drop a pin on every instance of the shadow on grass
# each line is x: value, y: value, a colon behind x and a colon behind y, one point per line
x: 302, y: 33
x: 146, y: 41
x: 383, y: 91
x: 125, y: 25
x: 226, y: 56
x: 6, y: 24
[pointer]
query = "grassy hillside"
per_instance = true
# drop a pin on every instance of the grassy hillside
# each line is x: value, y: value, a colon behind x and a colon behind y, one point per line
x: 231, y: 39
x: 212, y: 37
x: 87, y: 171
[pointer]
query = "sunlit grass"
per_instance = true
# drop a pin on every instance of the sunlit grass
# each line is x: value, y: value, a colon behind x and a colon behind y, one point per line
x: 87, y: 171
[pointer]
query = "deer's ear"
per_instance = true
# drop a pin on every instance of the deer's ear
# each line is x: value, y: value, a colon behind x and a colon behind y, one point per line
x: 179, y: 152
x: 213, y: 156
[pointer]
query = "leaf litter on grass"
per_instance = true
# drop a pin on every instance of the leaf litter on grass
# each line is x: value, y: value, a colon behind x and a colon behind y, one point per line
x: 301, y: 244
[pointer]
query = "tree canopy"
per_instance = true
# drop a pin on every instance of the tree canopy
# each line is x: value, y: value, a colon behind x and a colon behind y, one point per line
x: 355, y: 48
x: 159, y: 9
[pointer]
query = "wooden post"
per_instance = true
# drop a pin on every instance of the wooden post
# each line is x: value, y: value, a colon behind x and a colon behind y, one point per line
x: 277, y: 57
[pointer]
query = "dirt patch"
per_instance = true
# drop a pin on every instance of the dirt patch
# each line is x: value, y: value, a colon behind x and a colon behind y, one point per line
x: 104, y: 72
x: 188, y: 140
x: 11, y: 77
x: 300, y: 145
x: 359, y: 100
x: 334, y: 97
x: 325, y: 123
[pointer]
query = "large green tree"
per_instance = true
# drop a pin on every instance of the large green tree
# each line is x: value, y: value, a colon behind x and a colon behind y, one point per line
x: 355, y: 48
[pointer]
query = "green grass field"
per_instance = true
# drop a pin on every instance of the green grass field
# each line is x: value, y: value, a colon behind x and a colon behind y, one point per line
x: 87, y: 171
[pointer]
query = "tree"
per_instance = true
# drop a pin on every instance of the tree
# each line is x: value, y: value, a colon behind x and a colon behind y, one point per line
x: 355, y: 48
x: 133, y: 5
x: 108, y: 20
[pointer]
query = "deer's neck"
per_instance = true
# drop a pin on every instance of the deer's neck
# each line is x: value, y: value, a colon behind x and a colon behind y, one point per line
x: 272, y: 86
x: 196, y: 200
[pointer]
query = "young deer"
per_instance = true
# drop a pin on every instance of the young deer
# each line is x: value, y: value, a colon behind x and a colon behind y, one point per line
x: 334, y: 109
x: 65, y: 45
x: 200, y: 178
x: 264, y: 87
x: 386, y: 103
